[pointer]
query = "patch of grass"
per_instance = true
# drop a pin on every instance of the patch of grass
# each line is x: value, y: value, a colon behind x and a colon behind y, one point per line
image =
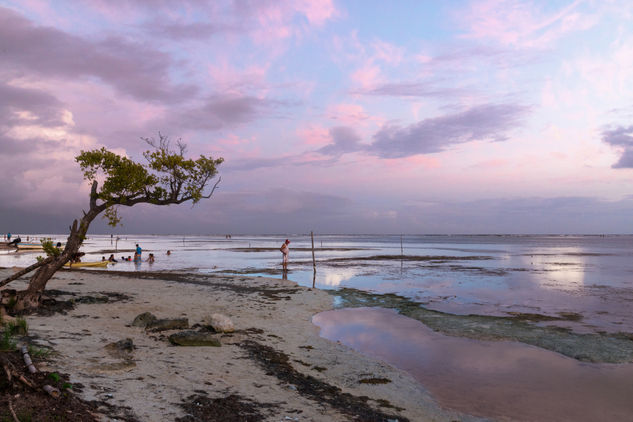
x: 7, y: 341
x: 21, y: 326
x: 54, y: 376
x: 38, y: 352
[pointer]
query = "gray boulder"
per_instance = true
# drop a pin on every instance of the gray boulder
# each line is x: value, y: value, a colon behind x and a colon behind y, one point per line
x: 142, y: 320
x: 220, y: 323
x: 194, y: 338
x: 168, y: 324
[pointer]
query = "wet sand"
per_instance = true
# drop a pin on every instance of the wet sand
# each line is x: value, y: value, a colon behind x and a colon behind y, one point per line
x: 275, y: 359
x: 500, y: 379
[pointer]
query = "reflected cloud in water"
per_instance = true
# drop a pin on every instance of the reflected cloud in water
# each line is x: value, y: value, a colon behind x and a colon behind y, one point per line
x: 503, y: 380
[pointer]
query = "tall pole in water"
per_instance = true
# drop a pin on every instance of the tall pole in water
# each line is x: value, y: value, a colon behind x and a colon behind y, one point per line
x: 401, y: 249
x: 313, y: 260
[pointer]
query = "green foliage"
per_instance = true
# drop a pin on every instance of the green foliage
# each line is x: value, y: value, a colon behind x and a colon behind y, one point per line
x: 167, y: 177
x: 54, y: 376
x: 38, y: 352
x: 7, y: 341
x: 22, y: 326
x: 50, y: 248
x: 67, y: 386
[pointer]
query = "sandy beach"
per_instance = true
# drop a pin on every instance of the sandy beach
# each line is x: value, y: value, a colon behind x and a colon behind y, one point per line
x: 275, y: 361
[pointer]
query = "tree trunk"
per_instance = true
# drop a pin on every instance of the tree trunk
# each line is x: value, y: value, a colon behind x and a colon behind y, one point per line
x: 30, y: 298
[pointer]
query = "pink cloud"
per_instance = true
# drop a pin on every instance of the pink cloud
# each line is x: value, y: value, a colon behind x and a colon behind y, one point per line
x: 387, y: 52
x: 524, y: 24
x: 367, y: 76
x: 494, y: 163
x: 317, y: 11
x: 315, y: 135
x: 234, y: 144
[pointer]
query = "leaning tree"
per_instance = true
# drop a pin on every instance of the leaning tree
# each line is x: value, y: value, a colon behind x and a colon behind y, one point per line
x: 166, y: 178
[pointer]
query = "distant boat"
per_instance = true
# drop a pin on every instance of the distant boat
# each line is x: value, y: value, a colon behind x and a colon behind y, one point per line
x: 87, y: 264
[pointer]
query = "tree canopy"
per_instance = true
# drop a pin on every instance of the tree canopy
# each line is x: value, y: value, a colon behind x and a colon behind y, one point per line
x: 166, y: 178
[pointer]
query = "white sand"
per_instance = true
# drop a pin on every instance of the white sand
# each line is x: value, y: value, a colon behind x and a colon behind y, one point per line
x: 159, y: 376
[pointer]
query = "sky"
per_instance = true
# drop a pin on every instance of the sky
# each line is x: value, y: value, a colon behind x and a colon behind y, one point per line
x: 357, y: 116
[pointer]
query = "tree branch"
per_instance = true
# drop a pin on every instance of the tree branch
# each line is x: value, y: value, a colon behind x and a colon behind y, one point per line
x: 93, y: 195
x: 214, y: 187
x: 26, y: 270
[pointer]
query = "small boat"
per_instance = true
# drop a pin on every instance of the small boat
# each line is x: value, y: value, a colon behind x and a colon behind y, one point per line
x: 102, y: 264
x: 24, y: 245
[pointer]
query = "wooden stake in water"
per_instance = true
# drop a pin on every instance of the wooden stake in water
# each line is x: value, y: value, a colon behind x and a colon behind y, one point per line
x: 313, y: 261
x: 401, y: 249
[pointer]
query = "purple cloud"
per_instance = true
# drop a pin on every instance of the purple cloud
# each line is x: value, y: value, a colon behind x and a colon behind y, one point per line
x: 133, y: 69
x: 411, y: 89
x: 485, y: 122
x: 187, y: 31
x: 621, y: 137
x: 344, y: 140
x: 219, y: 112
x: 42, y: 107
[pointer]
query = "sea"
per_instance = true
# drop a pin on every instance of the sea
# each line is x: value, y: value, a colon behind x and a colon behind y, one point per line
x: 495, y: 275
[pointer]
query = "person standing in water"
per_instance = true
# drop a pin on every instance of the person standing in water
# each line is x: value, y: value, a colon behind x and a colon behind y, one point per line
x: 137, y: 253
x: 285, y: 251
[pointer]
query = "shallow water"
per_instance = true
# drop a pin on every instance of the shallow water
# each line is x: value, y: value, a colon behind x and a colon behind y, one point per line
x: 488, y: 275
x: 501, y: 380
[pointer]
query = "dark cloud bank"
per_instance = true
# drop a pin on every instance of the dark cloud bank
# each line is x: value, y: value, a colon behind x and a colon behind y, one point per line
x: 133, y: 69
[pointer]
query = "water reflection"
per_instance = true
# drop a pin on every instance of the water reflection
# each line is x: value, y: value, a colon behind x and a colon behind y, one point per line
x: 334, y: 277
x: 564, y: 269
x: 492, y: 379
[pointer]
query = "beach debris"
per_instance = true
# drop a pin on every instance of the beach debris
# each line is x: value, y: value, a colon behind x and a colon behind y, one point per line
x: 194, y: 338
x: 27, y: 359
x: 374, y: 381
x: 220, y: 323
x: 230, y: 408
x: 52, y: 391
x: 142, y: 320
x: 167, y: 324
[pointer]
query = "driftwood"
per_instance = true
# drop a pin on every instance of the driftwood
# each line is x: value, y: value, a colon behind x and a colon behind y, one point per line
x: 15, y: 417
x: 26, y: 382
x: 5, y: 366
x: 26, y: 271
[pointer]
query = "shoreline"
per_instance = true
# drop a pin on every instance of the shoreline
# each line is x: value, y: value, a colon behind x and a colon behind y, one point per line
x: 275, y: 360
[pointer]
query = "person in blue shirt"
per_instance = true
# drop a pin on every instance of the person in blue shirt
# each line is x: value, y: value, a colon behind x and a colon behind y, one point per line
x: 137, y: 254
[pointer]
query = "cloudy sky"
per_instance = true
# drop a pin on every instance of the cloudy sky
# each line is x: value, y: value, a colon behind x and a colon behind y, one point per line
x: 355, y: 116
